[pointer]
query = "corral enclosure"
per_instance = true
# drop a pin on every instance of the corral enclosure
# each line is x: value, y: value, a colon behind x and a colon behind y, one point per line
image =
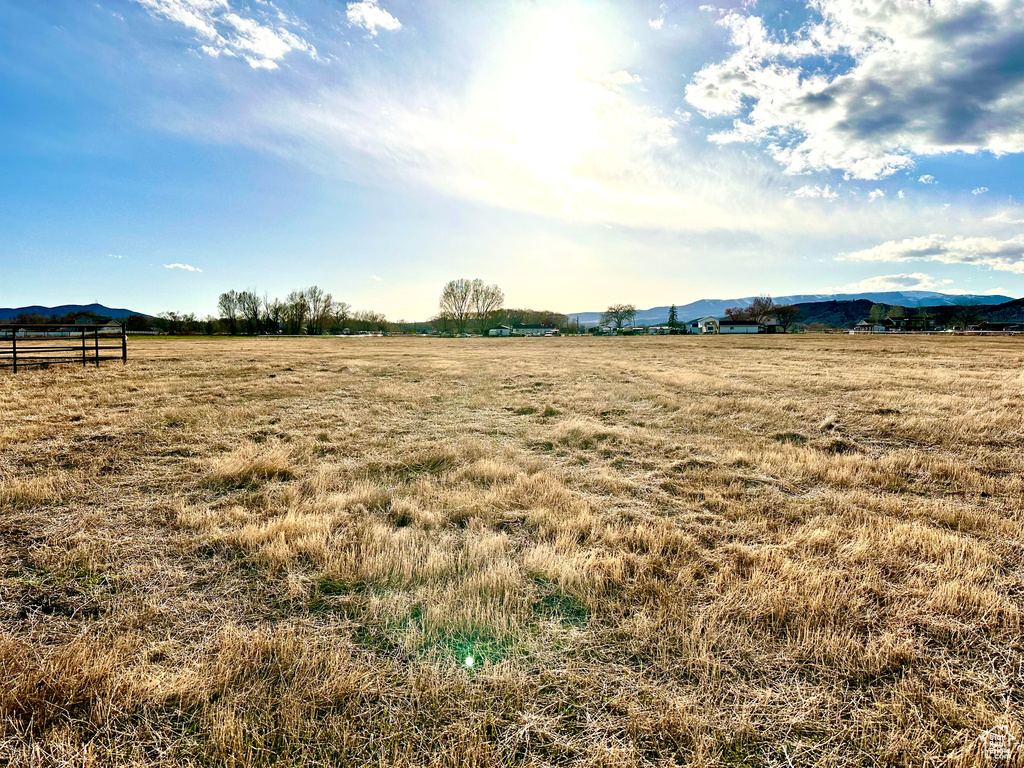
x: 784, y: 550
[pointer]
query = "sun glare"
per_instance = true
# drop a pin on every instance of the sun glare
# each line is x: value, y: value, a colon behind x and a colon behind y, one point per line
x: 550, y: 97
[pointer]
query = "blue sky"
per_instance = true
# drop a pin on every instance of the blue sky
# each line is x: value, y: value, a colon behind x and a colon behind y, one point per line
x: 155, y: 153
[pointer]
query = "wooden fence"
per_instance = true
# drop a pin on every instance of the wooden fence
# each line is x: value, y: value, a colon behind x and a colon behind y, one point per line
x: 23, y: 345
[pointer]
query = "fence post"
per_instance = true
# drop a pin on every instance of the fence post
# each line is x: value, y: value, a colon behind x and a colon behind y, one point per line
x: 83, y: 347
x: 14, y: 347
x: 124, y: 343
x: 96, y: 338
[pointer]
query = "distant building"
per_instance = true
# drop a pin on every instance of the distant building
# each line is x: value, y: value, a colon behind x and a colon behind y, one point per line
x: 706, y: 324
x: 720, y: 324
x: 501, y: 330
x: 725, y: 325
x: 534, y: 329
x: 867, y: 326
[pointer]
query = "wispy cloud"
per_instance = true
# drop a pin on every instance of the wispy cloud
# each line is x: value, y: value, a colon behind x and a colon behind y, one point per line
x: 913, y: 281
x: 815, y: 191
x: 371, y: 17
x: 1007, y: 217
x: 115, y: 256
x: 186, y: 267
x: 875, y: 194
x: 376, y: 278
x: 257, y: 35
x: 659, y: 22
x: 927, y: 179
x: 1001, y: 255
x: 979, y: 190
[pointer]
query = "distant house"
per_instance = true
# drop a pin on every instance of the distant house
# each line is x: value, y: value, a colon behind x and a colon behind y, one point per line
x: 868, y: 326
x: 706, y: 324
x: 112, y: 326
x: 533, y: 329
x: 725, y: 324
x: 501, y: 330
x: 85, y: 320
x: 996, y: 325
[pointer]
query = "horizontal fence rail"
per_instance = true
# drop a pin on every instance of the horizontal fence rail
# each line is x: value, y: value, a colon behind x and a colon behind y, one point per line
x: 24, y: 345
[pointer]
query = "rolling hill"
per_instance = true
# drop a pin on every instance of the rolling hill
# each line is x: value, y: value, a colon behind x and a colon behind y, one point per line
x: 657, y: 315
x: 9, y: 313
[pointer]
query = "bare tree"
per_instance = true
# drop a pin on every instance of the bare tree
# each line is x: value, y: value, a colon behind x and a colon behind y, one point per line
x: 340, y: 311
x: 249, y: 308
x: 786, y: 315
x: 296, y: 310
x: 318, y: 305
x: 619, y: 315
x: 273, y: 314
x: 228, y: 306
x: 485, y: 300
x: 761, y: 310
x: 455, y: 302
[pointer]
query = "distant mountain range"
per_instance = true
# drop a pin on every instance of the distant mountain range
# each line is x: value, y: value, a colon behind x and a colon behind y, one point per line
x: 9, y: 313
x: 659, y: 315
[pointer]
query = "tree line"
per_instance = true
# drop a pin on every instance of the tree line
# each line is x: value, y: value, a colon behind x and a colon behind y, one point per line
x: 312, y: 311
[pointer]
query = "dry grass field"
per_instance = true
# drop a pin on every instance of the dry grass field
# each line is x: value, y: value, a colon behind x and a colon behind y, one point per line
x: 715, y: 551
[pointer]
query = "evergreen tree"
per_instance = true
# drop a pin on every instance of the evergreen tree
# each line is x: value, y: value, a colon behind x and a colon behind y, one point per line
x: 673, y: 319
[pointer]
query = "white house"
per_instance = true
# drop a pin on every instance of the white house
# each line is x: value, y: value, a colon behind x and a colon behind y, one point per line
x: 501, y: 330
x: 723, y: 324
x: 534, y: 329
x: 706, y: 324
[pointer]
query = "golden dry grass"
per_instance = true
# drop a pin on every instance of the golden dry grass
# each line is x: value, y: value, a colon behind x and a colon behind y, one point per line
x: 674, y: 551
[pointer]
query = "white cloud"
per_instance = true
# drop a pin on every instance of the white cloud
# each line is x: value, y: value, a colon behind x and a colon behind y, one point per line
x: 371, y: 17
x: 875, y: 194
x: 914, y: 281
x: 223, y: 31
x: 547, y: 121
x: 927, y: 179
x: 901, y: 194
x: 115, y: 255
x: 659, y: 22
x: 186, y: 267
x: 616, y: 80
x: 979, y: 190
x: 377, y: 278
x: 825, y: 193
x: 1006, y: 217
x: 1001, y: 255
x: 870, y: 85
